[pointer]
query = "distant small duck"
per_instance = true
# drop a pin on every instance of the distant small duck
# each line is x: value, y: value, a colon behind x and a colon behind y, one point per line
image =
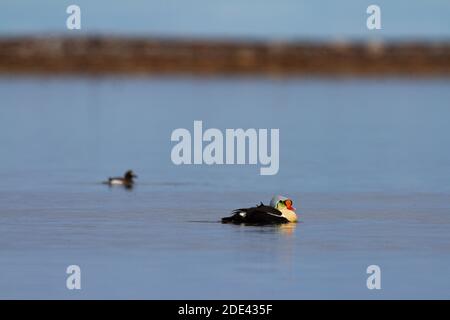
x: 127, y: 180
x: 279, y: 211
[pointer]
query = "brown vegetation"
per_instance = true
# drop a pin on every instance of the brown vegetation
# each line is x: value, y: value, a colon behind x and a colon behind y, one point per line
x: 99, y: 55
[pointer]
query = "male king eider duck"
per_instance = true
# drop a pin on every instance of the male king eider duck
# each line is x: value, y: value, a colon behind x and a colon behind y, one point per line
x: 126, y: 181
x: 279, y: 211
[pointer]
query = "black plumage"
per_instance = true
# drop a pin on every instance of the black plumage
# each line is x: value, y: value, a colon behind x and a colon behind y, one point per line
x: 259, y: 215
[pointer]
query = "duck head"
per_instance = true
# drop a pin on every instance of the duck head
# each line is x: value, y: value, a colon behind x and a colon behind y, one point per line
x: 285, y: 206
x: 130, y: 175
x: 280, y: 202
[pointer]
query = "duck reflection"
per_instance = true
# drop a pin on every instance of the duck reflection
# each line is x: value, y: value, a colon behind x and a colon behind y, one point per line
x: 287, y: 229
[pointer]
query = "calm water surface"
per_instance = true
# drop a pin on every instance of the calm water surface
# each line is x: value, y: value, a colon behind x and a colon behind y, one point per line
x: 367, y: 163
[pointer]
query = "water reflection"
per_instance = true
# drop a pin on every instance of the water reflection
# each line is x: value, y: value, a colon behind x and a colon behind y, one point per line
x: 287, y: 229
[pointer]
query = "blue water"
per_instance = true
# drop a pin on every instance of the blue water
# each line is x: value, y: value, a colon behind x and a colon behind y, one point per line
x: 365, y: 161
x: 288, y: 19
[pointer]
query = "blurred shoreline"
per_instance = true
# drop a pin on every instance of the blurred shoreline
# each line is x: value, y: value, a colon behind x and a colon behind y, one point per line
x: 116, y: 55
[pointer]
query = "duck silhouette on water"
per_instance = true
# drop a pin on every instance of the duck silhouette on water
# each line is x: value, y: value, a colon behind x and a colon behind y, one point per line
x: 280, y: 211
x: 126, y: 181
